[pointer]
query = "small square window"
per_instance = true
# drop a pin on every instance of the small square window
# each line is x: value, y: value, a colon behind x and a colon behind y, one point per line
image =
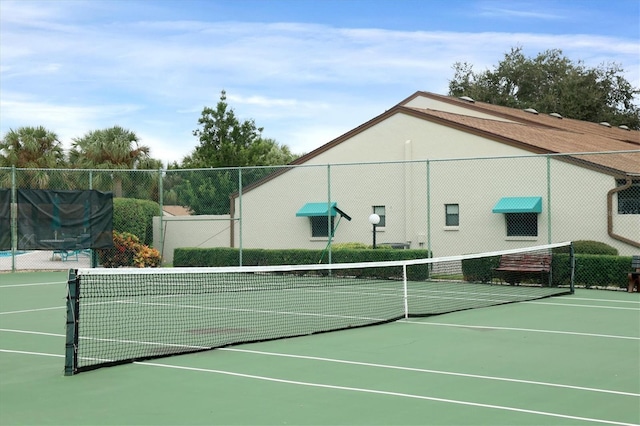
x: 381, y: 211
x: 452, y: 214
x: 319, y: 226
x: 629, y: 199
x: 522, y: 224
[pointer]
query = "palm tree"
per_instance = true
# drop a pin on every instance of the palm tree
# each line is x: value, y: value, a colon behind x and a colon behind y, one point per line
x: 112, y: 148
x: 32, y: 148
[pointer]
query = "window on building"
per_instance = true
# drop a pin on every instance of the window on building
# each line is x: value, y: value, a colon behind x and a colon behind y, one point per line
x: 319, y: 226
x: 522, y: 224
x: 629, y: 199
x: 381, y: 211
x: 452, y: 214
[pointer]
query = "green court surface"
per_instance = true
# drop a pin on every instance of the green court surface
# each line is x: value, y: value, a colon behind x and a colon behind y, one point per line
x: 567, y: 360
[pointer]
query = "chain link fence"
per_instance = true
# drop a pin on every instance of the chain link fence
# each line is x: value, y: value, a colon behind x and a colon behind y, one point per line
x: 447, y: 206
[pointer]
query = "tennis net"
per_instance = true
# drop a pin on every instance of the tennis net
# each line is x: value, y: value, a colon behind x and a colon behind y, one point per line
x: 116, y: 316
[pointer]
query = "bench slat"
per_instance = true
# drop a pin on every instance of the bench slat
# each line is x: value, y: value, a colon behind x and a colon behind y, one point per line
x: 511, y: 265
x: 525, y: 263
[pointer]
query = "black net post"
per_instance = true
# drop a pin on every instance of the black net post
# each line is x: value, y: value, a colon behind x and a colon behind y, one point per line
x: 572, y: 267
x: 71, y: 345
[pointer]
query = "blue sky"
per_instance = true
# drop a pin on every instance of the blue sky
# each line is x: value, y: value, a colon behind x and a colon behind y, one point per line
x: 306, y: 71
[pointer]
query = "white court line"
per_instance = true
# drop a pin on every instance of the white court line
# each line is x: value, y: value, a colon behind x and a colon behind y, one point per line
x: 362, y: 390
x: 340, y: 361
x: 423, y: 370
x: 635, y: 302
x: 25, y: 311
x: 582, y: 306
x: 530, y: 330
x: 31, y: 284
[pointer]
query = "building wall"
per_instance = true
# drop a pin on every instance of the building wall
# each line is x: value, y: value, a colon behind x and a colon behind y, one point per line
x: 577, y: 203
x: 202, y: 231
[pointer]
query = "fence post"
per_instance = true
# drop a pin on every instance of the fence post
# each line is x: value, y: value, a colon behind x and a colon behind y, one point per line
x: 239, y: 215
x: 429, y: 250
x: 14, y: 219
x: 161, y: 212
x: 548, y: 199
x: 329, y: 227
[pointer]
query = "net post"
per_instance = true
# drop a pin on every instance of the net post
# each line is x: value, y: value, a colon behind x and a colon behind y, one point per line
x: 406, y: 292
x: 572, y: 259
x: 71, y: 342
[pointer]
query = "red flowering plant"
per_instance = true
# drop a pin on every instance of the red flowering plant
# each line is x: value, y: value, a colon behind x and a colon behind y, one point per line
x: 128, y: 251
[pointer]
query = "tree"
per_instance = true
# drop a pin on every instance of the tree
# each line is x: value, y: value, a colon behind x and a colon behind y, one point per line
x: 551, y: 82
x: 113, y: 148
x: 33, y: 148
x: 226, y: 144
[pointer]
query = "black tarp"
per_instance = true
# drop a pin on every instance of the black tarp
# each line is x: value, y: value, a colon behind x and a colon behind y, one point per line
x: 59, y: 219
x: 5, y: 219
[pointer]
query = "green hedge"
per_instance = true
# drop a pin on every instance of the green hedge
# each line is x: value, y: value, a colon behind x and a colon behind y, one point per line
x: 602, y: 271
x: 588, y: 247
x: 590, y: 270
x: 194, y: 257
x: 135, y: 216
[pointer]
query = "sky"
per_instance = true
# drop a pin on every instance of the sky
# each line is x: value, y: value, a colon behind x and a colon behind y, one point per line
x: 306, y: 71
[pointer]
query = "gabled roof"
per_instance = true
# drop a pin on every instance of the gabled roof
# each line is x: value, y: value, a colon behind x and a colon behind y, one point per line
x: 536, y: 133
x: 540, y: 119
x: 170, y: 210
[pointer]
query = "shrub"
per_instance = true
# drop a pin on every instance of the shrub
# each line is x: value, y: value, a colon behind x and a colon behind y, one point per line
x: 589, y: 247
x: 135, y: 216
x: 128, y: 251
x: 479, y: 270
x: 351, y: 246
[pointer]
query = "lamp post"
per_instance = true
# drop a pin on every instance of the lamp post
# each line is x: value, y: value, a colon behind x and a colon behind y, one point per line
x: 374, y: 219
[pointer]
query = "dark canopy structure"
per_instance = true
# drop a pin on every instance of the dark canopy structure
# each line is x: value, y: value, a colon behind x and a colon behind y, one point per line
x: 58, y: 219
x: 5, y: 219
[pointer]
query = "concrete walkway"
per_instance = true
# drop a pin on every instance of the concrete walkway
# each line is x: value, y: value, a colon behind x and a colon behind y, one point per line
x: 43, y: 261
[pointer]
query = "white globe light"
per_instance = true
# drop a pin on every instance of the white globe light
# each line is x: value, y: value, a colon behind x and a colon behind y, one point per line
x: 374, y: 219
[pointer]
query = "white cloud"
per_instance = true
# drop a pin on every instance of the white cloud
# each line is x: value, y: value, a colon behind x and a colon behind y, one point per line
x: 304, y: 83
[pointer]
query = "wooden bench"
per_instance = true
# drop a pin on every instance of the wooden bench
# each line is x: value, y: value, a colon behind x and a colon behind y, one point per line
x: 634, y: 276
x: 514, y: 266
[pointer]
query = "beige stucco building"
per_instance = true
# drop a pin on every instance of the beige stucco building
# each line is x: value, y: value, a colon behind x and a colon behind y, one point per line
x: 456, y: 176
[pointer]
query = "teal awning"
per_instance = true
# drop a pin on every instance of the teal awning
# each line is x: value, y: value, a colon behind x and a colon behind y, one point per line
x: 316, y: 209
x: 519, y: 205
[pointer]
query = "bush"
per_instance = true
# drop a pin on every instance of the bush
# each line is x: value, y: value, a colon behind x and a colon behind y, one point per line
x: 589, y: 247
x: 602, y: 271
x: 128, y: 251
x: 135, y: 217
x: 349, y: 246
x: 479, y: 270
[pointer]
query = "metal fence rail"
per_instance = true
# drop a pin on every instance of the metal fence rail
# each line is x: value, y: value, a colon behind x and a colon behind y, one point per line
x: 449, y: 206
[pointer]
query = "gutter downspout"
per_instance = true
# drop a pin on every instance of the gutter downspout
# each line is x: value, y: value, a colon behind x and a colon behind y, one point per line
x: 613, y: 235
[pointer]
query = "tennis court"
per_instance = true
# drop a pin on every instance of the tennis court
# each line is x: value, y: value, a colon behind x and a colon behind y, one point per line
x: 567, y: 360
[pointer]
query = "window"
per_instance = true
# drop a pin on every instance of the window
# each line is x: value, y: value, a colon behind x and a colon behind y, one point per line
x: 319, y: 226
x: 629, y: 199
x: 380, y: 211
x: 522, y: 224
x: 452, y: 214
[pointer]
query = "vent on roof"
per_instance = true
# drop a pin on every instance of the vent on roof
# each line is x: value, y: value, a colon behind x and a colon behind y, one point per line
x: 531, y: 111
x: 556, y: 115
x: 467, y: 99
x: 623, y: 127
x: 605, y: 124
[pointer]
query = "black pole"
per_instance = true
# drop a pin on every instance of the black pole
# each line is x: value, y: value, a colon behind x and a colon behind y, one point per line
x: 374, y: 235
